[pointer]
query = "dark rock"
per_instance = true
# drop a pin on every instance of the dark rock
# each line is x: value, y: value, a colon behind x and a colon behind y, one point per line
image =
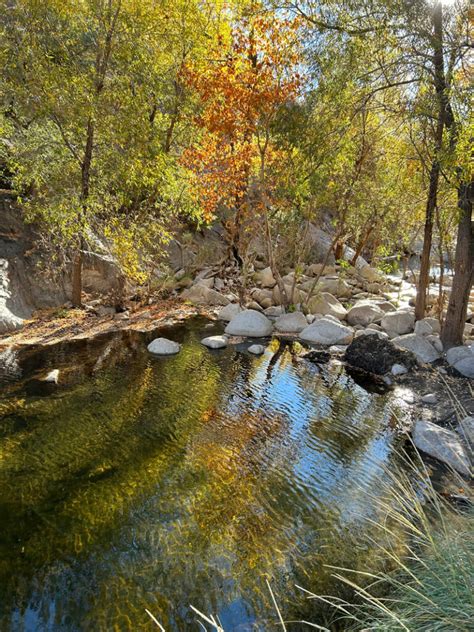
x: 377, y: 355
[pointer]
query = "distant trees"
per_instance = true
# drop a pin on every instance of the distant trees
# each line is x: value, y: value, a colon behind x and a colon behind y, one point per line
x: 93, y: 102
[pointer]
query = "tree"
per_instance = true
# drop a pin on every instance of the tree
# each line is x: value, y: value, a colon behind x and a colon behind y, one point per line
x: 93, y: 95
x: 249, y: 77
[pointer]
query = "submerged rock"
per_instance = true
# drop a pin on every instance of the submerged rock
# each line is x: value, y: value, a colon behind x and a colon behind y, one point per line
x: 163, y: 346
x: 256, y: 349
x: 442, y: 444
x: 377, y: 355
x: 326, y: 331
x: 249, y: 323
x: 215, y: 342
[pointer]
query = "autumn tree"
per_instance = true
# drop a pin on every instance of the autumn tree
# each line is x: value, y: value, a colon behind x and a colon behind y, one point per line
x: 247, y: 79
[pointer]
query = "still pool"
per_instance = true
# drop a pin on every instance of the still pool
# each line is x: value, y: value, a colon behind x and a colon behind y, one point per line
x: 155, y: 483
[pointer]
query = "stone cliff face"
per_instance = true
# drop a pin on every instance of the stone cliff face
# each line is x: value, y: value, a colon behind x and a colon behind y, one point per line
x: 29, y: 279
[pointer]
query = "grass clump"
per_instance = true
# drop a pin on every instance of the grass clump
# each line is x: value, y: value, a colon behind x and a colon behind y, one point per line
x: 427, y: 584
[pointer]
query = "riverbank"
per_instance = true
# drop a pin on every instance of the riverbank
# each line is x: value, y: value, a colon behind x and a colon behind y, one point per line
x: 49, y: 327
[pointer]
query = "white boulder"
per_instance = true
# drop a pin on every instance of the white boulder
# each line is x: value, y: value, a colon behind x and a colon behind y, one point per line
x: 442, y: 444
x: 256, y: 349
x: 163, y: 346
x: 326, y: 331
x: 401, y: 322
x: 291, y: 323
x: 249, y: 323
x: 229, y: 311
x: 325, y: 303
x: 462, y: 359
x: 422, y: 348
x: 363, y: 313
x: 215, y: 342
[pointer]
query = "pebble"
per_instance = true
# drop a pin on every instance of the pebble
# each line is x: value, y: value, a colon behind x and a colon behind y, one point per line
x: 256, y: 349
x: 399, y: 369
x: 429, y: 398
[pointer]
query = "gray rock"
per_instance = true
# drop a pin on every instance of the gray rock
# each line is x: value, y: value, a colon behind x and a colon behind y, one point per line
x: 369, y: 274
x: 325, y: 303
x: 399, y: 369
x: 364, y: 313
x: 422, y: 328
x: 442, y: 444
x: 163, y: 346
x: 326, y: 331
x: 422, y: 348
x: 265, y: 278
x: 249, y: 323
x: 429, y: 398
x: 465, y: 367
x: 209, y: 283
x: 466, y: 430
x: 386, y: 306
x: 274, y: 311
x: 292, y: 323
x: 401, y: 322
x: 256, y: 349
x: 201, y: 295
x: 370, y: 332
x: 229, y: 311
x: 436, y: 342
x: 462, y: 359
x: 215, y: 342
x: 253, y: 305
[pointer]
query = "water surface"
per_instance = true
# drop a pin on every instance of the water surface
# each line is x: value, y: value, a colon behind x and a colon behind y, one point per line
x: 142, y: 482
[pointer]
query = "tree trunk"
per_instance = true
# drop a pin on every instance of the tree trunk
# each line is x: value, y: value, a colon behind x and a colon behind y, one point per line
x: 423, y: 281
x: 77, y: 278
x: 443, y: 111
x: 453, y: 326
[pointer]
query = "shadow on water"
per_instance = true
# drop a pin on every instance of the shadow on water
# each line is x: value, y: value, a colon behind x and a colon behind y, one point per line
x: 141, y: 482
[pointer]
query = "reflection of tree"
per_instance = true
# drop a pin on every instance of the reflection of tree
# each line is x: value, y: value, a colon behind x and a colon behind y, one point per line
x: 190, y: 480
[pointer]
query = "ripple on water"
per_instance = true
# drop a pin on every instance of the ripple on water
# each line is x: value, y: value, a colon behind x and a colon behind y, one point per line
x: 155, y: 483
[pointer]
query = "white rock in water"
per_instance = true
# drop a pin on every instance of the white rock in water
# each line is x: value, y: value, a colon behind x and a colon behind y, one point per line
x: 424, y: 350
x: 256, y: 349
x: 249, y: 323
x: 53, y: 376
x: 401, y: 322
x: 229, y: 311
x: 442, y: 444
x: 326, y: 331
x: 399, y: 369
x: 291, y: 323
x: 163, y: 346
x: 429, y: 398
x: 215, y: 342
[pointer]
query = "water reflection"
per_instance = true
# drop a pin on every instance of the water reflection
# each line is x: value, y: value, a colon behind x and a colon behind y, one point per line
x: 156, y: 483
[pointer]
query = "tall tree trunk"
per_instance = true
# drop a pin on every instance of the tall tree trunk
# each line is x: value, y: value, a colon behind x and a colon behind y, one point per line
x: 423, y: 281
x: 443, y: 105
x: 453, y: 326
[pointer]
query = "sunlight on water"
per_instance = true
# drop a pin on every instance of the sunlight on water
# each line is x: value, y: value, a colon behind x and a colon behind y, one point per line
x: 157, y: 483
